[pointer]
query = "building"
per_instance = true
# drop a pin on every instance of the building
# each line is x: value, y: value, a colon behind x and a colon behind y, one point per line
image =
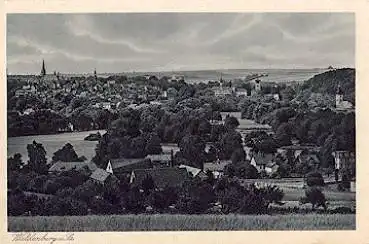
x: 103, y: 177
x: 43, y: 69
x: 160, y: 159
x: 241, y: 92
x: 271, y: 168
x: 297, y: 149
x: 260, y: 160
x: 162, y: 177
x: 307, y: 158
x: 177, y: 78
x: 194, y: 172
x: 126, y: 165
x: 217, y: 168
x: 60, y: 167
x: 340, y: 103
x: 345, y: 164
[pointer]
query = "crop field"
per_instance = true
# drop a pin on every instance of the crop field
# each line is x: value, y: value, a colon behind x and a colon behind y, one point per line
x: 182, y: 222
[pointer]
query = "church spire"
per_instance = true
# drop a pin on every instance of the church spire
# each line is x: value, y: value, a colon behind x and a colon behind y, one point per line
x: 43, y: 69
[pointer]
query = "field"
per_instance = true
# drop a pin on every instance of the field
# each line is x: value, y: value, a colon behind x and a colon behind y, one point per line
x: 182, y: 222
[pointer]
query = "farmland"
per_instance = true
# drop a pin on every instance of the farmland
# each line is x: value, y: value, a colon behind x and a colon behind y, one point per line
x: 182, y: 222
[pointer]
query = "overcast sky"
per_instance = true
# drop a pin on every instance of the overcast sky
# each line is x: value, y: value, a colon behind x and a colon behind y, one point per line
x: 78, y: 43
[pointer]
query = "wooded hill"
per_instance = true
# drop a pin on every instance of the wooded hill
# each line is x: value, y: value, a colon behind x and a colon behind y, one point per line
x: 328, y: 82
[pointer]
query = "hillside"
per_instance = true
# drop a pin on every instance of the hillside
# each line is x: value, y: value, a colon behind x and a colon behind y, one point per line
x: 327, y: 82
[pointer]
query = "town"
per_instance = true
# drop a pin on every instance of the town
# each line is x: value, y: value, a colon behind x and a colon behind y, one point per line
x: 168, y: 145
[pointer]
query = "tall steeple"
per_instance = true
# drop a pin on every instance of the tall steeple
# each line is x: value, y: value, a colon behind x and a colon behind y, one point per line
x: 95, y: 74
x: 43, y: 70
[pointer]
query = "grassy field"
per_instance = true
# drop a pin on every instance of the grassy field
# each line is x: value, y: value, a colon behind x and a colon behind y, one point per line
x: 182, y: 222
x: 295, y: 195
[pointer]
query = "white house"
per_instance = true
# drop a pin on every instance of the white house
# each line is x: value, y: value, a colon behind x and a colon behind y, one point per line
x: 271, y: 168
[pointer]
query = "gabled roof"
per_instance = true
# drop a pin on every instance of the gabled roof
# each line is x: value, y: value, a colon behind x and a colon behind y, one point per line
x: 66, y: 166
x: 262, y: 159
x: 159, y: 157
x: 194, y: 171
x: 100, y: 175
x: 217, y: 166
x: 308, y: 157
x: 161, y: 176
x: 271, y: 165
x: 123, y: 162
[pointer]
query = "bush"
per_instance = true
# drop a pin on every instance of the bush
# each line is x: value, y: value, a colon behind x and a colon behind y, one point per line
x: 314, y: 196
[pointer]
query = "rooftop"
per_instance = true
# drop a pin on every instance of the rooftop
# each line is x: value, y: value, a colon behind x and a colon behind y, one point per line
x: 66, y: 166
x: 100, y: 175
x: 216, y: 166
x: 122, y: 162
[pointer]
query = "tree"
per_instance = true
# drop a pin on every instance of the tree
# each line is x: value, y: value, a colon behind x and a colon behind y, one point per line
x: 37, y: 157
x: 283, y: 135
x: 229, y: 143
x: 148, y: 184
x: 272, y: 194
x: 314, y: 196
x: 197, y: 197
x: 238, y: 155
x: 15, y: 162
x: 66, y: 154
x: 153, y: 145
x: 161, y: 200
x: 192, y: 148
x: 231, y: 123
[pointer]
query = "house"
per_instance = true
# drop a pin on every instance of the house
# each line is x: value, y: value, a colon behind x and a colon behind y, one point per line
x: 160, y: 159
x: 271, y: 168
x: 106, y: 105
x: 20, y: 92
x: 276, y: 97
x: 241, y: 92
x: 194, y: 172
x: 297, y: 149
x: 344, y: 163
x: 60, y: 167
x: 260, y: 160
x: 307, y: 158
x: 162, y: 177
x: 217, y: 168
x: 28, y: 111
x: 177, y: 78
x: 126, y: 165
x: 219, y: 92
x: 103, y: 177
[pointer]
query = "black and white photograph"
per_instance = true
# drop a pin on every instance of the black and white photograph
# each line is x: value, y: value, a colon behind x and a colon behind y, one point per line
x: 180, y: 121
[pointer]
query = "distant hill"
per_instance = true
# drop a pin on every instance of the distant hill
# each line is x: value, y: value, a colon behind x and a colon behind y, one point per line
x: 327, y: 83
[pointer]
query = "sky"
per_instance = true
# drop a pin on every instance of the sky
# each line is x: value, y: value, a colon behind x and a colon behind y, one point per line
x: 126, y: 42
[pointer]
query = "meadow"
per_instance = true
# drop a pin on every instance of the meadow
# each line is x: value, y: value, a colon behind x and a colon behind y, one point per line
x: 169, y: 222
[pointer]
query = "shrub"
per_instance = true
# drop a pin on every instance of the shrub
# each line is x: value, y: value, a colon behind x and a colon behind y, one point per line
x: 314, y: 196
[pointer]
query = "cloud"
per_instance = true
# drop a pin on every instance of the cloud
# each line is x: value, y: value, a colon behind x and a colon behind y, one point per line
x: 169, y: 41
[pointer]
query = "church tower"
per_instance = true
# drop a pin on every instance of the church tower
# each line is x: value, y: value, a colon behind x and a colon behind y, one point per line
x: 257, y: 85
x: 43, y: 69
x: 95, y: 74
x: 339, y: 96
